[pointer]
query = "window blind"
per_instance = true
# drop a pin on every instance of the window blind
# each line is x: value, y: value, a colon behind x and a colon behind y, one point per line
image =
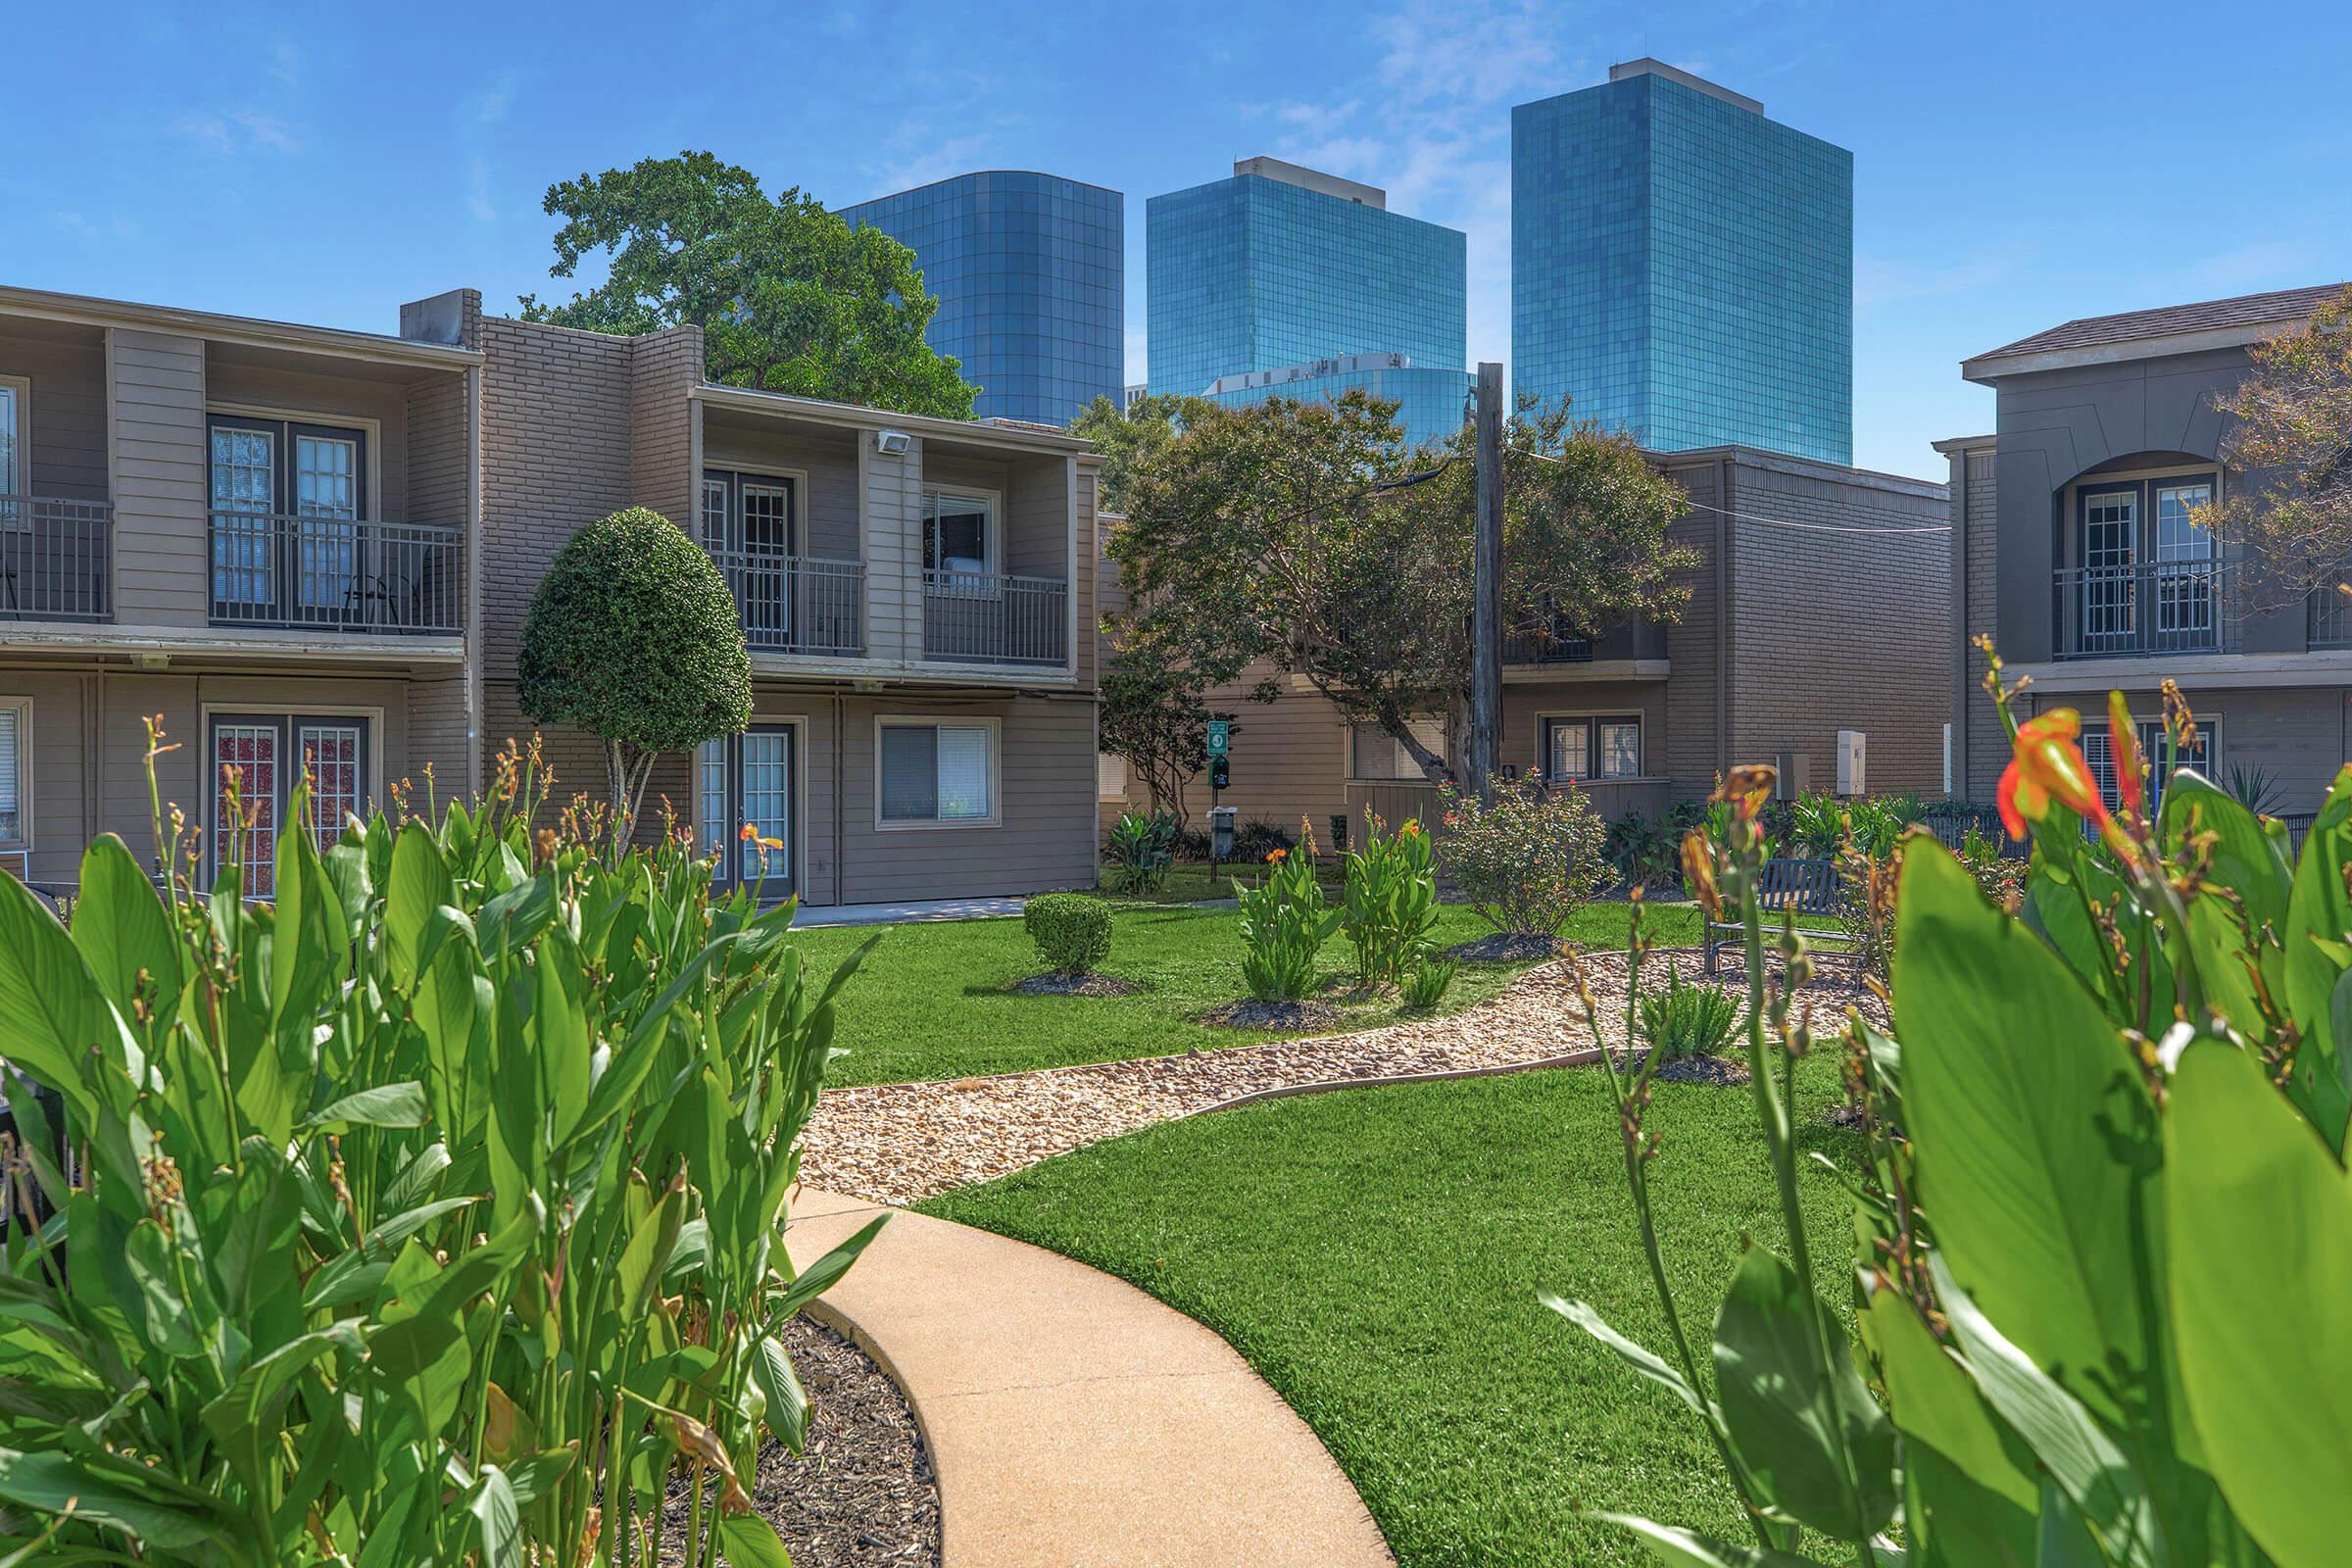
x: 962, y: 771
x: 12, y: 767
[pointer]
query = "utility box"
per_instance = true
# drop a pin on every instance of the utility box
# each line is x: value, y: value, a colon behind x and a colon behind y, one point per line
x: 1851, y: 749
x: 1220, y: 832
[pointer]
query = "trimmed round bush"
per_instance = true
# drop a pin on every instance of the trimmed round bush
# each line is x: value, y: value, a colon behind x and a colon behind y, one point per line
x: 1071, y: 930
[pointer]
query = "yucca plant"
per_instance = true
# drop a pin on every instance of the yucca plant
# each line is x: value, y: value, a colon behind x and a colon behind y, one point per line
x: 429, y: 1213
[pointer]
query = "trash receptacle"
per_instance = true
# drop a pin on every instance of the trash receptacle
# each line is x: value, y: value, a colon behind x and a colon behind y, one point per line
x: 1220, y: 832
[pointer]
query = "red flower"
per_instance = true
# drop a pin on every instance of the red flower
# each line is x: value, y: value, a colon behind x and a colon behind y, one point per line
x: 2048, y: 767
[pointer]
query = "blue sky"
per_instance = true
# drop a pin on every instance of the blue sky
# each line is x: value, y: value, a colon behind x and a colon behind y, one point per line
x: 2015, y: 165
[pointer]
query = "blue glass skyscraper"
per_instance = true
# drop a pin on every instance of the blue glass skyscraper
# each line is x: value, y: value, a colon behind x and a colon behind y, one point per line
x: 1284, y: 281
x: 1030, y: 272
x: 1683, y: 267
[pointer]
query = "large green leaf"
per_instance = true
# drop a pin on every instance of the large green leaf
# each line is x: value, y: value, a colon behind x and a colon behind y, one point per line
x: 123, y: 930
x: 751, y: 1542
x: 419, y: 884
x: 2095, y: 1475
x: 52, y: 1012
x: 107, y: 1490
x: 1642, y: 1359
x: 2319, y: 921
x: 1819, y: 1447
x: 1970, y: 1487
x: 2031, y: 1131
x: 2261, y: 1279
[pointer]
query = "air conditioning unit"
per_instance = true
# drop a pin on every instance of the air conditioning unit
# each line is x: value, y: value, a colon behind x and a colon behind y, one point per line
x: 1851, y: 746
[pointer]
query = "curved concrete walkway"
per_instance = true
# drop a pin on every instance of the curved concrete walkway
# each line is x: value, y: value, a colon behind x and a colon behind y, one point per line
x: 1074, y: 1420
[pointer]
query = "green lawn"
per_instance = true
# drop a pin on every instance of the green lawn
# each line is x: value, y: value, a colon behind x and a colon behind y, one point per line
x: 1376, y: 1254
x: 933, y: 1002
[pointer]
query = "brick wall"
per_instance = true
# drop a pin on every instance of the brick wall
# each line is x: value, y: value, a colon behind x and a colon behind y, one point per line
x: 1840, y: 630
x: 1688, y: 752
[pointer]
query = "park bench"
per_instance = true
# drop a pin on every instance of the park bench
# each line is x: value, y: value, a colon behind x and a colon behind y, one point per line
x: 1789, y: 885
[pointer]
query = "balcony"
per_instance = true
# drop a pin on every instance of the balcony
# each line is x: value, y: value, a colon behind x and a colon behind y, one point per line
x: 335, y: 574
x: 1539, y: 646
x: 55, y: 559
x: 2159, y: 607
x: 795, y: 604
x: 987, y: 618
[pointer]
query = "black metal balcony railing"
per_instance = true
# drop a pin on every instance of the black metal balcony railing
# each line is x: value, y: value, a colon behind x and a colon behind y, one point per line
x: 2157, y: 607
x: 1534, y: 646
x: 795, y: 604
x: 988, y: 618
x: 55, y: 559
x: 335, y: 573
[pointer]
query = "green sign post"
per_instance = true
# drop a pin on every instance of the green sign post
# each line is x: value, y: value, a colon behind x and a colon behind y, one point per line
x: 1220, y: 733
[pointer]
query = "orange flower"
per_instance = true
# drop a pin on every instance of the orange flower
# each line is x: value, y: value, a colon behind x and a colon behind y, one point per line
x: 1699, y: 872
x: 749, y: 833
x: 1276, y: 856
x: 2048, y: 767
x: 1411, y: 829
x: 2123, y: 743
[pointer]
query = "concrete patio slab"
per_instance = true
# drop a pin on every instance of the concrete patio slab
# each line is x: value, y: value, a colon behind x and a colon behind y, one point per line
x: 1074, y: 1420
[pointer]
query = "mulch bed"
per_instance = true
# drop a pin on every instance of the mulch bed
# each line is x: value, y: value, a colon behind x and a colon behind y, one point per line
x: 862, y: 1494
x: 1283, y: 1015
x: 1076, y: 985
x: 1507, y: 947
x: 1721, y: 1072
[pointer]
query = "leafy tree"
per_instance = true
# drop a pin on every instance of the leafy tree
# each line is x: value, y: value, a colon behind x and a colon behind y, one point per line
x: 633, y: 637
x: 2292, y: 436
x: 1310, y: 537
x: 1124, y: 438
x: 790, y: 298
x: 1154, y: 714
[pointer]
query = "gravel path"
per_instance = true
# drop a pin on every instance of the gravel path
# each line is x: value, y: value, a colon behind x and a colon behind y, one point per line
x: 902, y: 1143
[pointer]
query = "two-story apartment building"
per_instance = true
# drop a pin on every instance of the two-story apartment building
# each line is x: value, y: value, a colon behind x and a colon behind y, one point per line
x: 1818, y: 605
x: 313, y: 549
x: 2073, y: 542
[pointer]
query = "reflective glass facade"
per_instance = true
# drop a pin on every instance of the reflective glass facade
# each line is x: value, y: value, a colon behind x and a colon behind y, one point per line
x: 1683, y: 268
x: 1251, y: 274
x: 1030, y: 272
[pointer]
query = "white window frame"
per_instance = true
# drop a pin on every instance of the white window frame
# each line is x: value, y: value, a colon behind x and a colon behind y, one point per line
x: 798, y: 849
x: 996, y: 772
x: 991, y: 537
x: 21, y: 484
x: 22, y: 708
x: 371, y: 453
x: 291, y: 717
x: 1111, y: 777
x: 1593, y: 719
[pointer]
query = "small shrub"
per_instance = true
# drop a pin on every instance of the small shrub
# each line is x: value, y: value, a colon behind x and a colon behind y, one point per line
x: 1070, y: 929
x: 1255, y: 839
x: 1428, y: 981
x: 1689, y: 1018
x: 1285, y: 922
x: 1647, y: 849
x: 1390, y: 903
x: 1816, y: 825
x: 1530, y: 861
x: 1143, y: 849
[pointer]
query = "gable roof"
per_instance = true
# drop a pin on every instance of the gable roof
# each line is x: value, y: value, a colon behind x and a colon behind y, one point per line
x: 2224, y: 322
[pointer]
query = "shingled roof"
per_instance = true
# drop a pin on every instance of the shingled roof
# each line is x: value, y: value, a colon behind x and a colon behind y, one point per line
x: 2170, y: 321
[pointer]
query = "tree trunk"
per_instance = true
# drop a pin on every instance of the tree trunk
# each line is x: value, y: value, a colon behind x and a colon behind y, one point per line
x: 618, y: 786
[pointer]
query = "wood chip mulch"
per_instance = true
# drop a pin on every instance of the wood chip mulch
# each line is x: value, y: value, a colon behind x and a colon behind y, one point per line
x: 862, y: 1493
x: 899, y: 1144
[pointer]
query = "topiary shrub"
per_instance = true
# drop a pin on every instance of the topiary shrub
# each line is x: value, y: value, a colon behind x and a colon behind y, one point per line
x: 633, y: 637
x: 1070, y: 929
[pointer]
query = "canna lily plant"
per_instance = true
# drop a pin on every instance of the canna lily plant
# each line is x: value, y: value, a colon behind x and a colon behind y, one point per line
x: 429, y: 1213
x: 2102, y: 1218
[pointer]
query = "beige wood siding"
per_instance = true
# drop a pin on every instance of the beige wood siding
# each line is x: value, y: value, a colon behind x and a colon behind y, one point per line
x: 67, y: 411
x: 1289, y: 758
x: 157, y: 388
x: 1046, y: 806
x: 1088, y: 553
x: 893, y: 552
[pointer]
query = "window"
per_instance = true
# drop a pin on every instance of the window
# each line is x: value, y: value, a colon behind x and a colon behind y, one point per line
x: 942, y: 772
x: 1607, y: 747
x: 1375, y: 754
x: 15, y: 769
x: 15, y: 451
x: 749, y: 779
x: 958, y: 533
x: 258, y: 760
x: 287, y: 500
x: 2099, y: 754
x: 1110, y: 777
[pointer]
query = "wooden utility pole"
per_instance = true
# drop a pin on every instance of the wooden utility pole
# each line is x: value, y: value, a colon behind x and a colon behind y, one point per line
x: 1485, y: 760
